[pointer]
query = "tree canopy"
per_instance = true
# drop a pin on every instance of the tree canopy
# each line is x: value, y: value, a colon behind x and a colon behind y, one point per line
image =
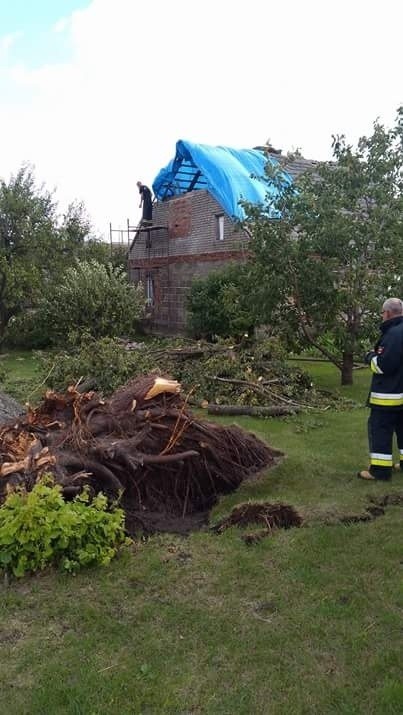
x: 218, y: 306
x: 37, y: 246
x: 27, y: 242
x: 320, y: 273
x: 94, y: 298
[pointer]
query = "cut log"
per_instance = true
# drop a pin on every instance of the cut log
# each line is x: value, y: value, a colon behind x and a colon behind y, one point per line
x: 272, y: 411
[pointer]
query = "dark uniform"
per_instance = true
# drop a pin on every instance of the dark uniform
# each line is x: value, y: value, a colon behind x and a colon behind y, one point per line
x: 145, y: 194
x: 386, y: 398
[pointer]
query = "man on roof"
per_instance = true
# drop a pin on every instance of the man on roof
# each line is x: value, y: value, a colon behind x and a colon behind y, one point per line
x: 145, y: 202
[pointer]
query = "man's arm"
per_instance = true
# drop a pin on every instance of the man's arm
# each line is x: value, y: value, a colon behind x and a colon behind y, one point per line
x: 388, y: 357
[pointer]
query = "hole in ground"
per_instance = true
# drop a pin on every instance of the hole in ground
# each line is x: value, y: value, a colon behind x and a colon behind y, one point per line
x: 387, y: 499
x: 180, y: 502
x: 376, y: 508
x: 184, y: 464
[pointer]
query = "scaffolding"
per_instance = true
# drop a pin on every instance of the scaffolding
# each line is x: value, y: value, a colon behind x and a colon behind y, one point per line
x: 123, y: 235
x: 152, y: 235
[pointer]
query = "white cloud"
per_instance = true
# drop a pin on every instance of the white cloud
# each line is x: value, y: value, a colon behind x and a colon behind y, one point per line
x: 61, y: 25
x: 142, y: 75
x: 7, y: 42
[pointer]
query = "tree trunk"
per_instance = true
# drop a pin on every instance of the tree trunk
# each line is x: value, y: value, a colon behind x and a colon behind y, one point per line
x: 271, y: 411
x: 347, y: 368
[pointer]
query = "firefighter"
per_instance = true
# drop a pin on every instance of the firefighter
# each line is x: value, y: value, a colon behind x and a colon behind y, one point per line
x: 386, y: 394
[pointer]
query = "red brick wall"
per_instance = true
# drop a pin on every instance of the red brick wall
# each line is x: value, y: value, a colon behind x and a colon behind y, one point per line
x: 187, y: 249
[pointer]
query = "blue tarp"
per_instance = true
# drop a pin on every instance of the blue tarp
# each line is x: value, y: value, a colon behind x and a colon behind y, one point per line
x: 230, y: 175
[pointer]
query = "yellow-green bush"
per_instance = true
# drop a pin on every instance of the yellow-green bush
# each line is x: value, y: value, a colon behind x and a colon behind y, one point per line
x: 39, y: 529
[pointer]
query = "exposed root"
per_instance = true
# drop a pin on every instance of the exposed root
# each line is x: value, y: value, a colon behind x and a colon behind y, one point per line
x: 142, y: 446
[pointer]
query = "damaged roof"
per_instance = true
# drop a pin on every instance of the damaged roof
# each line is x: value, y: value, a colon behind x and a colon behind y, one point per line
x: 232, y: 176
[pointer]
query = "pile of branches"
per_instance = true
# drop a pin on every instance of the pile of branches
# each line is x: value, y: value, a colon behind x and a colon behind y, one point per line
x: 143, y: 447
x: 254, y: 375
x: 250, y: 375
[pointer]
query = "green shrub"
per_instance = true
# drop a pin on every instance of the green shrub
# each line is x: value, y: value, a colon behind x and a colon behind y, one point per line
x: 28, y: 331
x: 39, y: 529
x: 219, y: 305
x: 92, y: 297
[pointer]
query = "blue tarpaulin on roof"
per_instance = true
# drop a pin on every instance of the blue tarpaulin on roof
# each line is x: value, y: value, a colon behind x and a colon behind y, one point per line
x: 230, y: 175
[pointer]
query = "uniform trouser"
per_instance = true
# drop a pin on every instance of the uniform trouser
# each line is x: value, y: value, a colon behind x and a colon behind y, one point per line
x: 381, y: 426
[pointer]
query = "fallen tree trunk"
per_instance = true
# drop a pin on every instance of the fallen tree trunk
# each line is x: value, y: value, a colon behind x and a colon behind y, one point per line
x: 272, y: 411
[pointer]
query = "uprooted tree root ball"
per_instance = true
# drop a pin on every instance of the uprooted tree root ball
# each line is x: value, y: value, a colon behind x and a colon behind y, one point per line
x: 143, y: 445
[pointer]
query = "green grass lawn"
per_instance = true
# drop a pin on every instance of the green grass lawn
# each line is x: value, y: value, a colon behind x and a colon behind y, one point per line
x: 20, y: 374
x: 308, y: 621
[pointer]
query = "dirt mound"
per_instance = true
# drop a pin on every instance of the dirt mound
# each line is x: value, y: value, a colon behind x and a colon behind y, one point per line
x: 143, y: 445
x: 271, y: 516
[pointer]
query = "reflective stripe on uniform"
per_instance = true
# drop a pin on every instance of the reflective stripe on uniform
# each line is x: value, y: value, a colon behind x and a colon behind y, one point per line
x: 375, y: 367
x: 381, y: 460
x: 386, y: 399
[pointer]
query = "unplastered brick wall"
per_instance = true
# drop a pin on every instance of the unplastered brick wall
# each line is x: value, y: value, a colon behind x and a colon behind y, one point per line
x: 182, y: 275
x: 191, y: 221
x: 186, y: 247
x: 171, y: 284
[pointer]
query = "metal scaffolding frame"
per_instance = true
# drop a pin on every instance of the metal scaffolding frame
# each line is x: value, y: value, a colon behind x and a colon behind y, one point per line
x: 131, y: 235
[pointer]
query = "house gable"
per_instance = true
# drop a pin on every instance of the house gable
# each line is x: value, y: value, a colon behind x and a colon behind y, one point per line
x: 196, y: 227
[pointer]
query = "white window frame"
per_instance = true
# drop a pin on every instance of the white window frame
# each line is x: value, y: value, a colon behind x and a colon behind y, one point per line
x: 219, y: 227
x: 149, y: 290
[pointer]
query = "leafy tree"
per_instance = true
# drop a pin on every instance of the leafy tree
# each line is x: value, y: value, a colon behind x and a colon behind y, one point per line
x: 218, y: 304
x: 92, y: 297
x: 36, y: 249
x: 79, y: 242
x: 28, y: 243
x: 322, y: 270
x: 76, y: 225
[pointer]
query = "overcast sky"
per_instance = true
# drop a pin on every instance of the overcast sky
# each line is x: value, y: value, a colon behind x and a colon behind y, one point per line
x: 96, y: 94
